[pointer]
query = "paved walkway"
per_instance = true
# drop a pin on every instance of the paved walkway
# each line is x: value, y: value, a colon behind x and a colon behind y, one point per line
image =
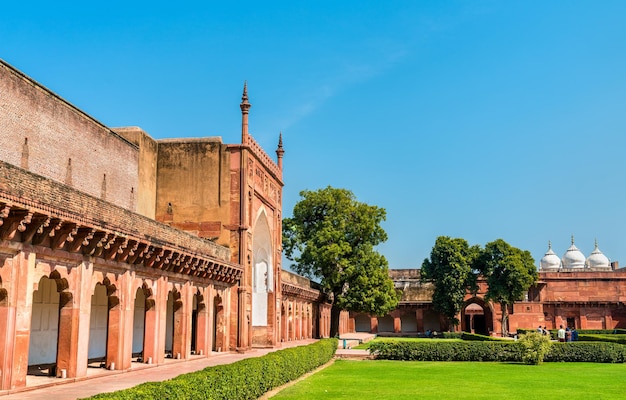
x: 100, y: 380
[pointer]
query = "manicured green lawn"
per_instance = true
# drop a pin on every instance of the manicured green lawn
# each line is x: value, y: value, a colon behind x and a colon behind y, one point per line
x: 362, y: 380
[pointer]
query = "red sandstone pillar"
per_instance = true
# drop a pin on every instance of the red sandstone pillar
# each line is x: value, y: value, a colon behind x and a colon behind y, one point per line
x: 397, y: 324
x: 154, y: 327
x: 15, y: 320
x: 181, y: 341
x: 373, y: 325
x: 419, y: 317
x: 115, y: 337
x: 203, y: 345
x: 67, y: 347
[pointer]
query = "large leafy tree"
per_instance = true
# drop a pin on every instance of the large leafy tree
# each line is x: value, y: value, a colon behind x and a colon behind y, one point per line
x: 331, y: 238
x: 449, y: 268
x: 509, y: 272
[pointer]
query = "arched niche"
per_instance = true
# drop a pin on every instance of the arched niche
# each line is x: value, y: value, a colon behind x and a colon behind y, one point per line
x: 262, y: 271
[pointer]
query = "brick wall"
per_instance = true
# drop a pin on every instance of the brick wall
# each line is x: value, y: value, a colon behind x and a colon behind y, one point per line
x: 46, y: 135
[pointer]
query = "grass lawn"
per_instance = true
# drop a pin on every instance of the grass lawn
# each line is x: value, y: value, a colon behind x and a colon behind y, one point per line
x: 362, y: 380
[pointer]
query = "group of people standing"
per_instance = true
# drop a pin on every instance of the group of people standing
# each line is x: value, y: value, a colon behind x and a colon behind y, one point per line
x: 563, y: 335
x: 567, y: 334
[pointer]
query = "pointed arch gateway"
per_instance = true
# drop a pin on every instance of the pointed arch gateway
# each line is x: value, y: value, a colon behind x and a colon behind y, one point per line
x: 262, y: 281
x: 477, y: 317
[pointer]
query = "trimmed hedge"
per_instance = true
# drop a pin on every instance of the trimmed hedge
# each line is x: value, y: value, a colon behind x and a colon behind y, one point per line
x: 480, y: 338
x: 246, y: 379
x: 580, y: 331
x: 619, y: 338
x: 502, y: 351
x: 447, y: 351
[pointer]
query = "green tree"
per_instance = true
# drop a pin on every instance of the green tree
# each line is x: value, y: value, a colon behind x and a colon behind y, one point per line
x: 450, y: 270
x: 509, y: 272
x: 331, y: 238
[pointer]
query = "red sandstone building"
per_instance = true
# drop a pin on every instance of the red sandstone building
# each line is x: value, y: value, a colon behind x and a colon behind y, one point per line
x: 574, y: 291
x: 117, y: 249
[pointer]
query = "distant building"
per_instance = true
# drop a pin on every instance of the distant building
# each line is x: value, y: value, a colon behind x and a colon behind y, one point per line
x: 576, y: 291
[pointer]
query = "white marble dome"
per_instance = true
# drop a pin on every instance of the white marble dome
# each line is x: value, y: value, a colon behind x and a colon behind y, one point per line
x: 597, y: 260
x: 573, y: 258
x: 550, y: 261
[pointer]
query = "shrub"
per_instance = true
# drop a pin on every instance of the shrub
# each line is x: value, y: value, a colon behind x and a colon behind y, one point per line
x: 535, y: 346
x: 447, y: 351
x: 245, y: 379
x: 587, y: 352
x: 502, y: 351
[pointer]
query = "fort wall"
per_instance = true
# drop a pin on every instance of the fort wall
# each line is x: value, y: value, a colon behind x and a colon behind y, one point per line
x: 46, y: 135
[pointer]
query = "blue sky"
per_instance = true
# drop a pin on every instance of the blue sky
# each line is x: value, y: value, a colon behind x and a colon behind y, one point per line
x: 473, y: 119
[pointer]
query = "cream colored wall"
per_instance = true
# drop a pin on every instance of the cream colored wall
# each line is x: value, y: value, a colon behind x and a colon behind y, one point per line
x: 145, y: 198
x: 193, y: 187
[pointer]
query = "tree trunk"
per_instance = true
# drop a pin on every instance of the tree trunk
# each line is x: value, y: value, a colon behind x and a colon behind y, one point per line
x: 505, y: 319
x: 334, y: 321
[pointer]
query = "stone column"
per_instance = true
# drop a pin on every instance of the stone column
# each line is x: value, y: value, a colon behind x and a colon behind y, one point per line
x: 15, y: 318
x: 181, y: 342
x: 74, y: 318
x: 203, y: 341
x: 419, y: 317
x: 154, y: 328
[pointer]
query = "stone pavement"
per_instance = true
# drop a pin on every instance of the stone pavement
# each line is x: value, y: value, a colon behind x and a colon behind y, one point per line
x: 100, y: 380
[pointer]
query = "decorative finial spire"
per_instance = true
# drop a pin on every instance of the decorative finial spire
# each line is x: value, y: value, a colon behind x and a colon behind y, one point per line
x: 572, y: 240
x: 245, y: 104
x: 596, y: 243
x: 280, y: 151
x: 549, y: 245
x: 245, y: 108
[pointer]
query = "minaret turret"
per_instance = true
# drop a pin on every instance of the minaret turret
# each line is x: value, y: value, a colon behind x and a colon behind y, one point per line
x: 245, y: 108
x: 280, y: 151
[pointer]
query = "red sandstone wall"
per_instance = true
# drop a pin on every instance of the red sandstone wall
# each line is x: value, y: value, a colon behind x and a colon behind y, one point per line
x: 41, y: 132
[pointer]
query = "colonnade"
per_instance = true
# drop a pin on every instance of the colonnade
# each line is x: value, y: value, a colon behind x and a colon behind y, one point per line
x: 61, y: 311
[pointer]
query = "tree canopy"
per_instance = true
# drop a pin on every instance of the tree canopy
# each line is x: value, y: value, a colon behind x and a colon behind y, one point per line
x: 509, y: 272
x: 450, y: 270
x: 331, y: 238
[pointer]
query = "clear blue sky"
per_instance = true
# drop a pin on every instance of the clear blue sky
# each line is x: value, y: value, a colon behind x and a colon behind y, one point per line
x: 473, y: 119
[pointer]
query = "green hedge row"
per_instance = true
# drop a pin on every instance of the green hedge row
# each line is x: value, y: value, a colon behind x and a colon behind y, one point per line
x: 480, y: 338
x: 585, y: 331
x: 246, y: 379
x: 496, y: 351
x: 619, y: 338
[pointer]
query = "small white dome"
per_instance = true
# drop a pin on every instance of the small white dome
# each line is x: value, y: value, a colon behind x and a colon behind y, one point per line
x: 550, y: 261
x: 598, y: 260
x: 573, y: 258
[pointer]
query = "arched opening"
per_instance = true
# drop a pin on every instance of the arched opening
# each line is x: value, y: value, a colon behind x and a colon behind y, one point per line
x: 44, y: 329
x: 139, y: 325
x: 362, y: 323
x: 385, y: 324
x: 98, y: 324
x: 476, y: 317
x: 262, y: 282
x: 431, y: 321
x: 408, y: 323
